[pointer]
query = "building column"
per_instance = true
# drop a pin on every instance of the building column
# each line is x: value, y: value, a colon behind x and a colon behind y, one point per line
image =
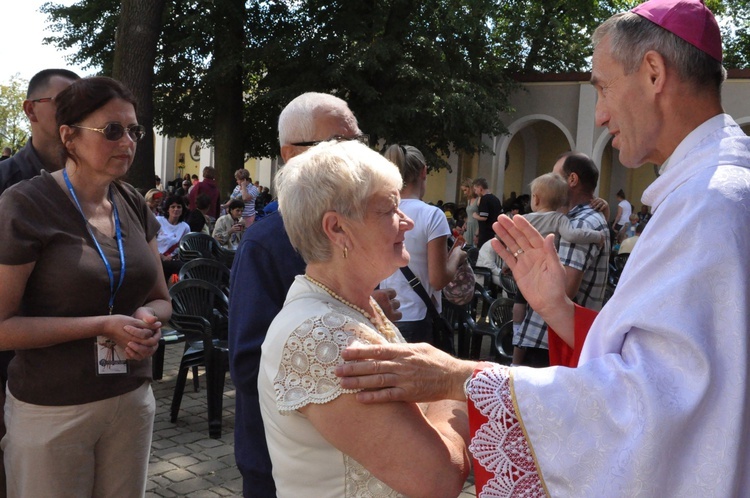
x: 586, y: 121
x: 498, y: 164
x: 207, y: 157
x: 530, y: 156
x: 164, y: 157
x: 490, y: 166
x: 586, y: 129
x: 451, y: 178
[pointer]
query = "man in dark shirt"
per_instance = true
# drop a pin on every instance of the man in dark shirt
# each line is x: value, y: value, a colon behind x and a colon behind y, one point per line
x: 488, y: 210
x: 6, y: 153
x: 207, y: 186
x: 43, y: 150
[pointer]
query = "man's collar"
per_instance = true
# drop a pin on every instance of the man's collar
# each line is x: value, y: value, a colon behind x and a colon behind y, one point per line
x: 693, y: 138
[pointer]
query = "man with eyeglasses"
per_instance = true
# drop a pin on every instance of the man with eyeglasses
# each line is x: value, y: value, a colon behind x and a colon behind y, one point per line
x: 264, y: 267
x: 42, y: 151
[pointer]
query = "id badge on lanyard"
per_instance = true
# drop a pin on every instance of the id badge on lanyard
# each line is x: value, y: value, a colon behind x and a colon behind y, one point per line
x: 110, y: 357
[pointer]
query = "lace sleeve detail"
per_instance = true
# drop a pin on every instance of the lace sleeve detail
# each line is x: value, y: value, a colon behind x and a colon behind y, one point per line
x: 310, y: 356
x: 500, y: 444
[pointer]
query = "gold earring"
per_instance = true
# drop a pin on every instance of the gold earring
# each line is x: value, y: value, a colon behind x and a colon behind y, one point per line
x: 346, y: 252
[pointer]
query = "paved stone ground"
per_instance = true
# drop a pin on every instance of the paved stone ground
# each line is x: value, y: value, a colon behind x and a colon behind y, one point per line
x: 185, y: 462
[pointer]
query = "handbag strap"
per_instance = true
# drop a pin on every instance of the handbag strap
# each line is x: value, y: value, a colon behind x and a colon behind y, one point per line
x: 416, y: 284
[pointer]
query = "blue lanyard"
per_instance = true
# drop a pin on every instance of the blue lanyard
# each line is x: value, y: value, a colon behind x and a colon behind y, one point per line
x: 118, y: 232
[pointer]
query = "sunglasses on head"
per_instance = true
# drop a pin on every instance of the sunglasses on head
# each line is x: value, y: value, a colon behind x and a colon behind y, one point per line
x: 114, y: 131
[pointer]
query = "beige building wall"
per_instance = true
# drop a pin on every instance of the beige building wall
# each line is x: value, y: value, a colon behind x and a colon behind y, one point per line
x: 555, y: 113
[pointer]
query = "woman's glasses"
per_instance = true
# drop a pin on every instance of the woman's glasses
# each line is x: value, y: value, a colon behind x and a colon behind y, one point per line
x: 114, y: 131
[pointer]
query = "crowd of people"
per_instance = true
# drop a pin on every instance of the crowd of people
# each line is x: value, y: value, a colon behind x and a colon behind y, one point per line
x: 195, y: 206
x: 338, y: 391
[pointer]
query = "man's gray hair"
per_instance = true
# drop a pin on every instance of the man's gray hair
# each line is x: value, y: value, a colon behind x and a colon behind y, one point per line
x: 297, y: 120
x: 631, y: 36
x: 333, y: 176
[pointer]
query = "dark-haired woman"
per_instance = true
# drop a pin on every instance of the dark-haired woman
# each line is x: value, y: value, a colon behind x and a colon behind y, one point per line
x: 173, y: 228
x: 230, y: 227
x: 198, y: 219
x: 82, y: 304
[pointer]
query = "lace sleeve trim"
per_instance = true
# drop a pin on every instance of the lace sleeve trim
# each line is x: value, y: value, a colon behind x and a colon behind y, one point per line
x: 310, y: 356
x: 500, y: 444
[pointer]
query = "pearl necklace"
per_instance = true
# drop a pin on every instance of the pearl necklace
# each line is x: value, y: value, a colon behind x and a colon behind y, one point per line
x: 384, y: 327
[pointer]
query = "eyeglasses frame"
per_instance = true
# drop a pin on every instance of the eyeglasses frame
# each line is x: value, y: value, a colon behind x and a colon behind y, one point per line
x: 362, y: 138
x: 126, y: 131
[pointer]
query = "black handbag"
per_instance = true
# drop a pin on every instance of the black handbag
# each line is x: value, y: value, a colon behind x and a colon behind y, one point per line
x: 442, y: 331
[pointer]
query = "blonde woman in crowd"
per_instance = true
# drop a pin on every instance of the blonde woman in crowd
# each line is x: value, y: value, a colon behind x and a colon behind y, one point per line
x: 340, y: 203
x: 472, y: 205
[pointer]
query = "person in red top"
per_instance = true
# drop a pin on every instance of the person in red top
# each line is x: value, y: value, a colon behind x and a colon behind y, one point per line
x: 207, y: 186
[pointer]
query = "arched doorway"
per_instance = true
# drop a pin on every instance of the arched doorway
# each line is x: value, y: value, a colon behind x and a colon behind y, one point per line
x: 531, y: 150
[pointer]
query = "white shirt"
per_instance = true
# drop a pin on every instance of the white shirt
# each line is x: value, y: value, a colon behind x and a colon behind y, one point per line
x: 429, y: 223
x: 659, y: 404
x: 488, y: 258
x: 170, y: 234
x: 627, y: 209
x: 299, y: 355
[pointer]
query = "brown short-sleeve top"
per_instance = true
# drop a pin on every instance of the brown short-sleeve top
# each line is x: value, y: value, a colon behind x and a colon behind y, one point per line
x: 43, y: 225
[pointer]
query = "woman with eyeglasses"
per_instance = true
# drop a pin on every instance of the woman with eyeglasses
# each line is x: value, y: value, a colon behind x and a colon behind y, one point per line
x: 340, y: 202
x: 82, y: 303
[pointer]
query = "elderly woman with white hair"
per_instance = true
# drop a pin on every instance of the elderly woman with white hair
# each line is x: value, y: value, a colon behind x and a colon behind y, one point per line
x: 340, y: 206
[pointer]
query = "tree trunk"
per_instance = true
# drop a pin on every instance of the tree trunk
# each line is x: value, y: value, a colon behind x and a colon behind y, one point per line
x: 226, y: 76
x: 135, y: 56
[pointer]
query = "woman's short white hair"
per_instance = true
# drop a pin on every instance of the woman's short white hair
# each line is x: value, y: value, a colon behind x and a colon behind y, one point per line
x: 297, y: 120
x: 332, y: 176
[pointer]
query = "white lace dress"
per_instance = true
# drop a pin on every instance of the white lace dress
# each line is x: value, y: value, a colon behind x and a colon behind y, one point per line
x: 299, y: 355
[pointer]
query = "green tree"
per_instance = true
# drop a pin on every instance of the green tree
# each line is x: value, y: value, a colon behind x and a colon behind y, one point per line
x: 14, y: 127
x: 734, y: 19
x: 421, y: 72
x: 197, y: 70
x: 547, y: 36
x: 96, y: 28
x: 432, y: 73
x: 87, y: 26
x: 226, y: 78
x: 412, y: 71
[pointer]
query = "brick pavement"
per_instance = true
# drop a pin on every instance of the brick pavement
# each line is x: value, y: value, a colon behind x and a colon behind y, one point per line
x: 185, y: 462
